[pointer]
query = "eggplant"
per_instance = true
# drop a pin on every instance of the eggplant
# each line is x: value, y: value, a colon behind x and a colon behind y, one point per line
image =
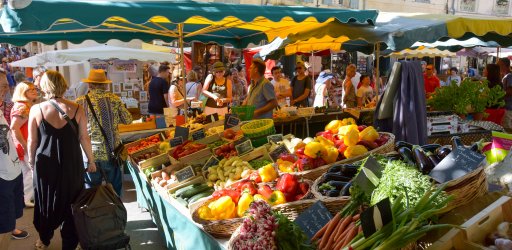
x: 393, y: 157
x: 433, y: 158
x: 423, y: 163
x: 406, y: 155
x: 337, y: 184
x: 442, y: 152
x: 456, y: 142
x: 402, y: 144
x: 349, y: 170
x: 334, y: 168
x: 333, y: 193
x: 430, y: 147
x: 336, y: 177
x: 346, y: 189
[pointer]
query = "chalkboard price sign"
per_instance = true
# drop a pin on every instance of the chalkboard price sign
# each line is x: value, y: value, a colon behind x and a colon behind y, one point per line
x: 185, y: 174
x: 313, y: 219
x: 210, y: 163
x: 244, y: 147
x: 231, y: 120
x: 275, y: 138
x: 198, y: 135
x: 274, y: 154
x: 458, y: 163
x: 176, y: 141
x: 181, y: 132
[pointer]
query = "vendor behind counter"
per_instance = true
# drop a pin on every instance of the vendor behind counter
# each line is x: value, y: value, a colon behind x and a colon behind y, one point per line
x: 261, y: 92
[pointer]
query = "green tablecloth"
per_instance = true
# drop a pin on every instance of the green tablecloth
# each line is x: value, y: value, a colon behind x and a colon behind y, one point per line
x: 179, y: 231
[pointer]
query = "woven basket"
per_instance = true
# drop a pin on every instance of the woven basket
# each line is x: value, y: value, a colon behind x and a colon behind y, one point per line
x: 466, y: 189
x: 332, y: 203
x: 258, y: 128
x: 225, y: 228
x: 313, y: 174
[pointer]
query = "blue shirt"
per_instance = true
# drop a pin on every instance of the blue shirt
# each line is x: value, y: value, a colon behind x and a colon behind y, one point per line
x: 262, y: 95
x: 157, y: 88
x: 507, y: 83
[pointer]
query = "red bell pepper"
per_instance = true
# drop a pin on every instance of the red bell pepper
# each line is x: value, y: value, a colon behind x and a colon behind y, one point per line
x: 287, y: 183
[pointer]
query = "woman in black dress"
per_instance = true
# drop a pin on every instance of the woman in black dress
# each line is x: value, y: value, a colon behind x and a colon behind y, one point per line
x: 56, y: 157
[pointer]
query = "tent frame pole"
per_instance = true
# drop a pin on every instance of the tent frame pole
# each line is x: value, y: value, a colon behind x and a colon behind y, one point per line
x: 377, y: 75
x: 182, y: 68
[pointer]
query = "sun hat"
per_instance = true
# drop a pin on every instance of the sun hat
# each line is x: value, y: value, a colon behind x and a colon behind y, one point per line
x: 218, y: 66
x: 324, y: 76
x: 300, y: 64
x: 97, y: 76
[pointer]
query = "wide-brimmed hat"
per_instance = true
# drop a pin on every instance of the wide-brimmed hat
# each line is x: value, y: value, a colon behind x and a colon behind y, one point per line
x: 218, y: 66
x: 97, y: 76
x: 324, y: 76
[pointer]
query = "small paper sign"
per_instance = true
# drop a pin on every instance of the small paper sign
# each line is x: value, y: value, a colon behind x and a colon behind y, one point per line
x: 198, y: 135
x: 458, y: 163
x: 313, y: 219
x: 212, y: 118
x: 368, y: 178
x: 376, y: 217
x: 176, y: 141
x: 244, y: 147
x: 185, y: 174
x: 213, y: 161
x: 231, y: 120
x: 275, y: 138
x: 181, y: 132
x: 274, y: 154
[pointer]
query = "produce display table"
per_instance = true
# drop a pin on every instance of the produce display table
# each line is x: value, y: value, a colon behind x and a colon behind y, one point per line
x: 173, y: 221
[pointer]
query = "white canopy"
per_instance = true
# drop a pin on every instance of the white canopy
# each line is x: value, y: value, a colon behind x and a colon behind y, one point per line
x: 102, y: 52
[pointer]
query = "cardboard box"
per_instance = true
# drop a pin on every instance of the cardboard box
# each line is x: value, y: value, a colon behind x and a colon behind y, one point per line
x: 443, y: 119
x: 441, y: 129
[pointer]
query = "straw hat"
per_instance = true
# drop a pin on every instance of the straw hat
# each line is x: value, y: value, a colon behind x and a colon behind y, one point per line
x: 96, y: 76
x: 218, y: 66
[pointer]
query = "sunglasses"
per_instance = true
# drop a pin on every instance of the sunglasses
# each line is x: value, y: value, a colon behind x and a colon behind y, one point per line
x: 299, y: 68
x: 429, y: 68
x: 217, y: 72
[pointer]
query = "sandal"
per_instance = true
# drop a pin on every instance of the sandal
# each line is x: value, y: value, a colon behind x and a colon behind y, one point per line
x: 40, y: 245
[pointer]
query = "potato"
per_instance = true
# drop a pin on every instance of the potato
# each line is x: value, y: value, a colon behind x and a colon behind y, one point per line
x: 162, y: 183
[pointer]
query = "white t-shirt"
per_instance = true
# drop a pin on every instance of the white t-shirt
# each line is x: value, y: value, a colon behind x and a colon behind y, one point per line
x: 281, y: 87
x: 365, y: 92
x: 10, y: 166
x: 355, y: 80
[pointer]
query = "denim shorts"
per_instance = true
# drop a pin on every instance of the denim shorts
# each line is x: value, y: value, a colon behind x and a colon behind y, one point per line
x: 11, y: 198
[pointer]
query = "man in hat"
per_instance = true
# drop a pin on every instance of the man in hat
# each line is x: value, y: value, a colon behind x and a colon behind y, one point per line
x: 158, y: 89
x: 110, y: 112
x: 261, y: 92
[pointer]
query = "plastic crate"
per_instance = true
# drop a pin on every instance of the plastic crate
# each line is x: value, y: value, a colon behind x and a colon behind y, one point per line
x: 245, y: 113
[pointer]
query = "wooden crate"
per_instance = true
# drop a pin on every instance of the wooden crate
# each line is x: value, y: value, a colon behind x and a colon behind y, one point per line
x: 197, y: 179
x: 203, y: 153
x: 474, y: 231
x: 137, y: 142
x: 257, y: 153
x: 136, y: 126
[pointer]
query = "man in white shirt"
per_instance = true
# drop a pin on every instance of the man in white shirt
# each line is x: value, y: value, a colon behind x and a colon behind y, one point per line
x: 281, y: 86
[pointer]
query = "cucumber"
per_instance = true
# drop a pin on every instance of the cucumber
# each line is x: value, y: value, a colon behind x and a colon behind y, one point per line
x: 184, y: 189
x: 199, y: 196
x: 191, y: 192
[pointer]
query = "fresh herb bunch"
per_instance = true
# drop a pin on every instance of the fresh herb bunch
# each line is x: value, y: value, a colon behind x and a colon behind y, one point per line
x: 401, y: 179
x: 289, y: 236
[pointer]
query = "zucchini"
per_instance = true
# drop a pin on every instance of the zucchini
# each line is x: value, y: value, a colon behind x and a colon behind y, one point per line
x: 191, y: 192
x: 199, y: 196
x: 178, y: 192
x: 182, y: 202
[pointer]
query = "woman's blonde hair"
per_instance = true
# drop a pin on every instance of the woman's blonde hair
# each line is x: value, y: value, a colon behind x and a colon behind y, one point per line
x: 192, y: 76
x: 20, y: 91
x: 53, y: 84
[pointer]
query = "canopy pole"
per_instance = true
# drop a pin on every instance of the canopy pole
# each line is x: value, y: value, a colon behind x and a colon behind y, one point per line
x: 377, y: 75
x: 182, y: 68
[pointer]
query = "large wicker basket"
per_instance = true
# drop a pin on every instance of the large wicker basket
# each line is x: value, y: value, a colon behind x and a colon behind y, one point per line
x: 313, y: 174
x: 467, y: 188
x: 225, y: 228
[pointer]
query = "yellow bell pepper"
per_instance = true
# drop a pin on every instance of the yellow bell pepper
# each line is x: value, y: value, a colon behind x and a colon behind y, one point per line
x: 243, y: 204
x: 324, y: 141
x: 333, y: 126
x: 223, y: 208
x: 276, y: 198
x: 344, y: 129
x: 369, y: 134
x: 267, y: 173
x: 205, y: 213
x: 315, y: 149
x: 351, y: 138
x: 285, y: 166
x: 353, y: 151
x: 332, y: 155
x: 348, y: 121
x: 259, y: 197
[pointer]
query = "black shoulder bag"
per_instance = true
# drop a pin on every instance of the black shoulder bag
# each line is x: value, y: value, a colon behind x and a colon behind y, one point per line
x: 117, y: 155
